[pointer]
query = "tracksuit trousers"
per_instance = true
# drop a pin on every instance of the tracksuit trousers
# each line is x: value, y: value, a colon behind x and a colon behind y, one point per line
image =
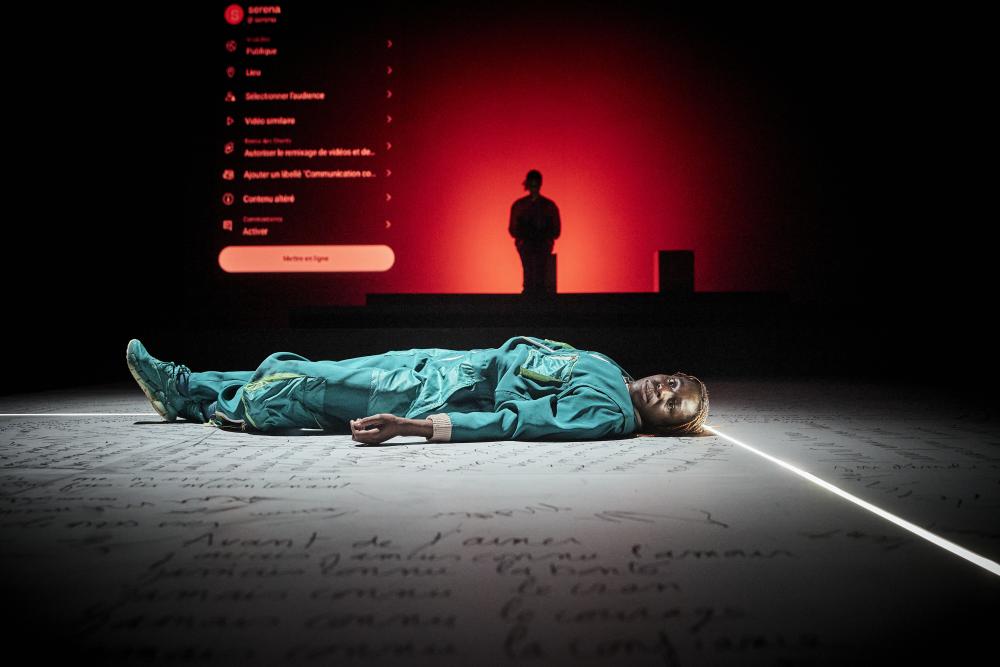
x: 288, y: 390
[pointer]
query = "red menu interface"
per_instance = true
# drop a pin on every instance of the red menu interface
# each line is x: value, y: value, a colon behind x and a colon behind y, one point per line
x: 305, y: 138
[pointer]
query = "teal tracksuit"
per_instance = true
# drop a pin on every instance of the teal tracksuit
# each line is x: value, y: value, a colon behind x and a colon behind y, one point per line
x: 527, y: 389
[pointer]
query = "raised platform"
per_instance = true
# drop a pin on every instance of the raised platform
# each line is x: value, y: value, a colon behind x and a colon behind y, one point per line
x: 592, y: 309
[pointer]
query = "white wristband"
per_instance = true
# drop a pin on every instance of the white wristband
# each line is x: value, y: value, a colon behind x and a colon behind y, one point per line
x: 441, y: 424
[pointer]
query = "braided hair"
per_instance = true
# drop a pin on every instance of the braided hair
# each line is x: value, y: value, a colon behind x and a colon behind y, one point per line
x: 692, y: 426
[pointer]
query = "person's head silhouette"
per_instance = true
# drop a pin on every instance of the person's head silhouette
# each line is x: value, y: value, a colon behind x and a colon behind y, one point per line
x: 533, y: 182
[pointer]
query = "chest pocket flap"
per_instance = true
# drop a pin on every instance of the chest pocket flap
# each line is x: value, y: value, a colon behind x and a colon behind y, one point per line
x: 441, y: 380
x: 552, y: 368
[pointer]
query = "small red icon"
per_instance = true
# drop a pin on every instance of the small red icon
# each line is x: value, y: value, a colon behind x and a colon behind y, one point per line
x: 227, y: 199
x: 388, y: 224
x: 228, y: 174
x: 388, y: 43
x: 388, y: 69
x: 388, y: 119
x: 388, y: 197
x: 230, y: 120
x: 230, y: 97
x: 231, y: 45
x: 388, y: 145
x: 227, y: 225
x: 388, y: 172
x: 388, y: 94
x: 230, y: 71
x: 234, y: 14
x: 229, y: 147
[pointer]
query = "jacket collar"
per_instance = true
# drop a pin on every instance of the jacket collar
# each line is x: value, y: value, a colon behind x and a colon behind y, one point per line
x: 627, y: 406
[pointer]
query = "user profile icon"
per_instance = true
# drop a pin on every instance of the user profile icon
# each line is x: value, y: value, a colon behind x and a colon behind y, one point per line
x: 234, y: 14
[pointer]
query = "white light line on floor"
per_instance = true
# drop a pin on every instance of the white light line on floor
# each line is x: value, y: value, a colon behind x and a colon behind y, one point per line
x: 970, y: 556
x: 79, y: 414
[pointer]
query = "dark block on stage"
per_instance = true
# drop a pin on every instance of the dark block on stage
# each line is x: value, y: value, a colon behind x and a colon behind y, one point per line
x: 676, y: 271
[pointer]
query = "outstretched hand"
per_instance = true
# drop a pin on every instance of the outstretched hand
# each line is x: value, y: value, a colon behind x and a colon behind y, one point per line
x: 376, y: 429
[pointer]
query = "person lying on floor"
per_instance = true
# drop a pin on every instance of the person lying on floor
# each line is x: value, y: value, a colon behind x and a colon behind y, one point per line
x: 528, y: 388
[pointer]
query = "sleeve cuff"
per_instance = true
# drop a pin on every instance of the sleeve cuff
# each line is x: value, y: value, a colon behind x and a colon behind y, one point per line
x: 441, y: 424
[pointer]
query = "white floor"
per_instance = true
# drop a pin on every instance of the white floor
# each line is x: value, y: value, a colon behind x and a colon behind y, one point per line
x: 129, y: 539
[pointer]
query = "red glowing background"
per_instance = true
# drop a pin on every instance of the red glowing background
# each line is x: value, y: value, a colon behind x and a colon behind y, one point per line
x: 642, y: 146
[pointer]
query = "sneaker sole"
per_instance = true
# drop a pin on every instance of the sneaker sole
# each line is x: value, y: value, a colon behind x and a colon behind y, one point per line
x: 157, y: 405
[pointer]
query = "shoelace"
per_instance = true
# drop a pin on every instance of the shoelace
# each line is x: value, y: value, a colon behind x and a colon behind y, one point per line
x: 181, y: 375
x: 190, y: 408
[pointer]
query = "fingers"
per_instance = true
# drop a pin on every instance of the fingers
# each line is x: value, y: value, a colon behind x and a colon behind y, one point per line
x: 374, y: 429
x: 358, y: 426
x: 367, y: 430
x: 366, y: 437
x: 364, y: 422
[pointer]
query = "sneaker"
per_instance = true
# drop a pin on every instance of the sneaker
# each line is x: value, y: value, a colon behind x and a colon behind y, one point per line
x: 161, y: 381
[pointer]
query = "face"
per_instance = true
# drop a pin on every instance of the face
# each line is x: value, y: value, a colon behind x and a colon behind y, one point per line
x: 665, y: 400
x: 533, y: 185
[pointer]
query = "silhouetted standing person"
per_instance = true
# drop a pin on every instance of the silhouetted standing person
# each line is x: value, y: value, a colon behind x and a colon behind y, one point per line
x: 535, y: 225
